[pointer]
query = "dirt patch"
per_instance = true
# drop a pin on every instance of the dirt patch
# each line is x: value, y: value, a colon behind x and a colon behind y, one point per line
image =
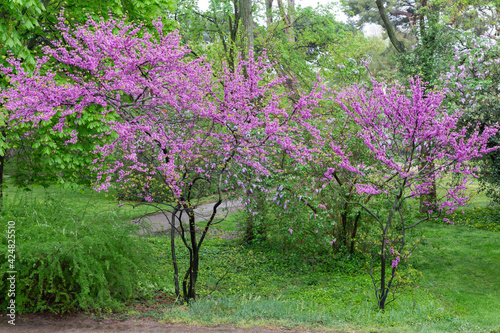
x: 76, y: 323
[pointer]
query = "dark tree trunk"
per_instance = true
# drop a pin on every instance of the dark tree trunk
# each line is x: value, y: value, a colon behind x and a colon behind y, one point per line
x: 354, y: 232
x: 398, y: 45
x: 269, y: 13
x: 383, y: 289
x: 174, y: 257
x: 189, y: 281
x: 343, y: 217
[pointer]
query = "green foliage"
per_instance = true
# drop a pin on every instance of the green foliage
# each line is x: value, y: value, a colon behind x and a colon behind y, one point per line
x: 432, y: 55
x: 321, y: 45
x: 133, y: 189
x: 487, y: 218
x: 69, y: 259
x: 27, y: 24
x: 18, y: 19
x: 476, y: 16
x: 44, y: 157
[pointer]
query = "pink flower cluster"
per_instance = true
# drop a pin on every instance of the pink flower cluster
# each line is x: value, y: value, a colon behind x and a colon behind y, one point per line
x: 171, y: 118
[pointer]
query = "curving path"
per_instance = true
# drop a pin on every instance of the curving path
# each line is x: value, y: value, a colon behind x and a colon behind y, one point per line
x: 159, y: 222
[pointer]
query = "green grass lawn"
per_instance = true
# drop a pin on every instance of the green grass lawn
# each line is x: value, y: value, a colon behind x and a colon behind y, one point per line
x: 79, y: 198
x: 458, y: 291
x: 268, y: 285
x: 461, y: 266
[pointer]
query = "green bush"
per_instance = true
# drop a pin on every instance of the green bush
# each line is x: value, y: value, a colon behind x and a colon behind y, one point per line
x: 481, y: 218
x: 68, y: 259
x: 135, y: 189
x: 140, y: 185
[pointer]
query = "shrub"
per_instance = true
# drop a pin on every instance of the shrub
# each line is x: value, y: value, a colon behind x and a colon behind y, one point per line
x: 481, y: 218
x: 134, y: 189
x: 69, y: 259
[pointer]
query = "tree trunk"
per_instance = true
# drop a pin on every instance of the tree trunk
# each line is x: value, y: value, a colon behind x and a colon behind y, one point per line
x: 174, y: 257
x: 398, y: 45
x: 288, y: 17
x: 247, y: 22
x: 383, y: 291
x: 189, y: 281
x: 354, y: 232
x: 343, y: 217
x: 269, y: 13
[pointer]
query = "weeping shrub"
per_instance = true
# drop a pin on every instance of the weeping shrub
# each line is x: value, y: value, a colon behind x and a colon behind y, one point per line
x: 71, y: 258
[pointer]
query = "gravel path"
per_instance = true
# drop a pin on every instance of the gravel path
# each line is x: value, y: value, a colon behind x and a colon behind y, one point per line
x: 159, y: 222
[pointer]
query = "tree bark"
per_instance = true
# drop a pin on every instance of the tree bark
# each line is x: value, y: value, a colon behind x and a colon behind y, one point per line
x: 354, y: 232
x: 174, y: 256
x: 398, y: 45
x: 288, y: 16
x: 247, y: 22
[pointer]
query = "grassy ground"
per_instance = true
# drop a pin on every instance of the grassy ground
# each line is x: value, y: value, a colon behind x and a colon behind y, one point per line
x: 459, y: 290
x: 79, y: 198
x: 461, y: 266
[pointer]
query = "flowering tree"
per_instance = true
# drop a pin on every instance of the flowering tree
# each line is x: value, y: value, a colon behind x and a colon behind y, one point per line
x: 395, y: 126
x: 170, y: 118
x: 472, y: 83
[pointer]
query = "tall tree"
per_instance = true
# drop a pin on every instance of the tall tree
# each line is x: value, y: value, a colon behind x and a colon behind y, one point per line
x: 197, y: 129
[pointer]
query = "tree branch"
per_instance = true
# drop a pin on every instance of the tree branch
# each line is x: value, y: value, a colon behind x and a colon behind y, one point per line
x: 398, y: 45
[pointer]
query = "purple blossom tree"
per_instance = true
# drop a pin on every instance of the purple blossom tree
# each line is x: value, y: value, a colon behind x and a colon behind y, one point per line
x: 173, y: 118
x: 472, y: 84
x: 395, y: 125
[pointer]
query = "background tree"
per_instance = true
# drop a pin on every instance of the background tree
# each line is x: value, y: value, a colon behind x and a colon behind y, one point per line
x: 247, y: 24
